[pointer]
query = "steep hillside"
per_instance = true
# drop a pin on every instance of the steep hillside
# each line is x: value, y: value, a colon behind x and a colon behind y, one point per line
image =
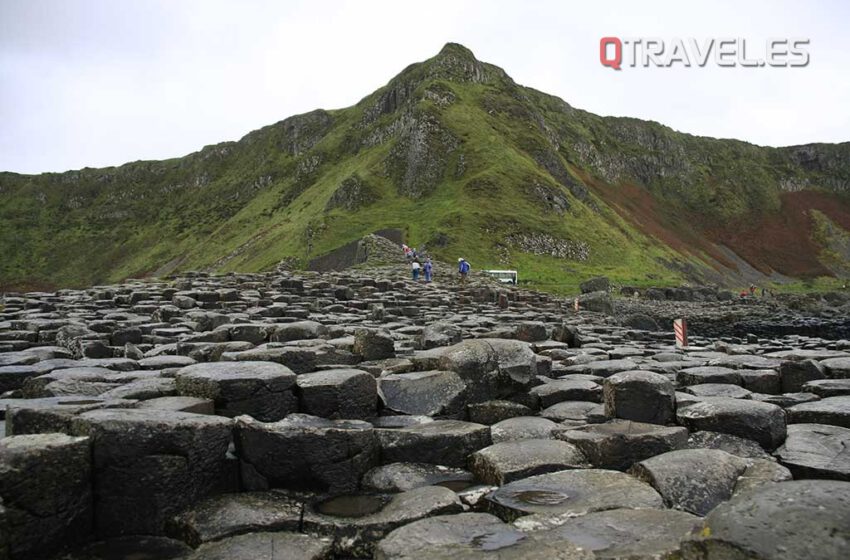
x: 461, y: 159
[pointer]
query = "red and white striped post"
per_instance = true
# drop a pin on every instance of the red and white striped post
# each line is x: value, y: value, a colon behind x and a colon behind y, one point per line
x: 575, y: 305
x: 680, y: 327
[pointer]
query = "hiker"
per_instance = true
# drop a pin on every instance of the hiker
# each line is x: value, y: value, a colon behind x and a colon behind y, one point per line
x: 415, y: 266
x: 428, y: 268
x: 752, y: 289
x: 462, y: 269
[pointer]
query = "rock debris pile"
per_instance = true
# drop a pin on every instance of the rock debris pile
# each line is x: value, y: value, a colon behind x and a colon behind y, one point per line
x: 362, y: 415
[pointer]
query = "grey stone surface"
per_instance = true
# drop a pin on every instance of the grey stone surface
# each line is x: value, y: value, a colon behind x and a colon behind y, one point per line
x: 767, y: 381
x: 263, y: 390
x: 430, y: 393
x: 567, y: 390
x: 745, y: 361
x: 522, y: 427
x: 338, y: 393
x: 400, y: 477
x: 505, y: 462
x: 571, y: 493
x: 795, y: 374
x: 355, y: 534
x: 267, y: 546
x: 831, y: 410
x: 137, y: 547
x: 619, y: 444
x: 828, y: 387
x: 725, y: 390
x: 816, y: 451
x: 195, y: 405
x: 491, y: 368
x: 149, y: 464
x: 796, y: 519
x: 373, y: 345
x: 493, y: 412
x: 223, y: 516
x: 708, y: 374
x: 692, y: 480
x: 472, y: 535
x: 305, y: 452
x: 837, y: 367
x: 635, y: 534
x: 46, y: 489
x: 642, y: 396
x: 297, y: 330
x: 581, y: 411
x: 761, y: 422
x: 443, y: 442
x: 495, y: 367
x: 438, y: 334
x: 735, y: 445
x: 52, y: 414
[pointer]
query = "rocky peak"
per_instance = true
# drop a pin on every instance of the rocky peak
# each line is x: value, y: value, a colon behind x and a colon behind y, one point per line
x: 455, y: 62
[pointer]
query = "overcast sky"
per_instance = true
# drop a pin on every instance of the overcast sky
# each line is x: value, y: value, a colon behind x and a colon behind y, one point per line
x: 102, y: 82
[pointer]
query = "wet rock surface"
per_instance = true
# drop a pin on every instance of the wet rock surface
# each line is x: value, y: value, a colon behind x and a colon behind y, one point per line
x: 696, y: 480
x: 267, y: 546
x: 816, y: 451
x: 619, y: 444
x: 831, y: 410
x: 571, y: 493
x: 513, y: 460
x: 629, y: 533
x: 226, y: 515
x: 795, y: 519
x: 358, y: 414
x: 473, y: 535
x: 400, y: 477
x: 761, y: 422
x: 358, y: 522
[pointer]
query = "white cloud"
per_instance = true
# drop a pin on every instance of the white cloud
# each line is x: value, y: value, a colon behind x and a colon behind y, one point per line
x: 96, y: 82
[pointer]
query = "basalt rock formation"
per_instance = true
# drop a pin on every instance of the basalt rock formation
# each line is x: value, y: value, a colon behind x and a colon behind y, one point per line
x: 360, y: 414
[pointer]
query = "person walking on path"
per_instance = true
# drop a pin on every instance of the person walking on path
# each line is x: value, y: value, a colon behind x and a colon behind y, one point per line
x: 428, y: 268
x: 415, y: 267
x: 462, y: 269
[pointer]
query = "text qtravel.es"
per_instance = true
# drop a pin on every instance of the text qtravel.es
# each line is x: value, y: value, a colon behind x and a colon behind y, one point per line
x: 633, y: 52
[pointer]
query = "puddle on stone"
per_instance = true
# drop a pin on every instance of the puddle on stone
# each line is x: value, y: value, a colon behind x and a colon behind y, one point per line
x: 539, y: 497
x: 351, y: 506
x: 455, y: 485
x: 495, y: 541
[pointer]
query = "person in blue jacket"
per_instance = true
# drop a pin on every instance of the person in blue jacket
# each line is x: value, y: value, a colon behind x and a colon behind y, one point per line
x: 427, y: 268
x: 462, y: 269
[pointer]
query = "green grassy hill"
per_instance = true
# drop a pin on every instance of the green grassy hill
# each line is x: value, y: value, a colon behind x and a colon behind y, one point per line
x: 464, y: 161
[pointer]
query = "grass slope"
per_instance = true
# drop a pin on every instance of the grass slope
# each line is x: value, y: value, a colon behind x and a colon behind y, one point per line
x: 460, y: 158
